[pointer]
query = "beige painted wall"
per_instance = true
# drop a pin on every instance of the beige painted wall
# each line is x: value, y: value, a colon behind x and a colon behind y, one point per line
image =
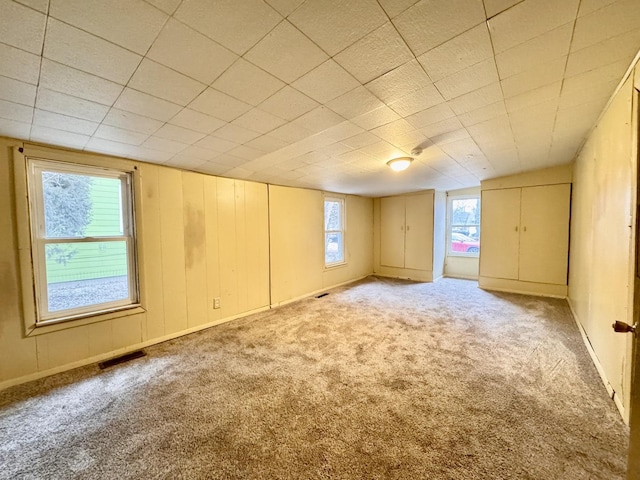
x: 439, y: 233
x: 458, y: 266
x: 199, y: 237
x: 297, y: 242
x: 601, y: 253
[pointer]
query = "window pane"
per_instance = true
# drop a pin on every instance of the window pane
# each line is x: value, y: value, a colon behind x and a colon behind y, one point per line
x: 83, y: 274
x: 332, y: 215
x: 465, y: 212
x: 462, y: 243
x: 81, y: 205
x: 333, y: 251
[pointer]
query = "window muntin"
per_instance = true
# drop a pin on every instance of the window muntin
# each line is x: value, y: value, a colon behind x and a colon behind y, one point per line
x: 83, y: 240
x: 464, y: 226
x: 333, y: 231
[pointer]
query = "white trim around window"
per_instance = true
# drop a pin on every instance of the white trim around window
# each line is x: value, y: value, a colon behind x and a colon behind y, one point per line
x: 334, y: 222
x: 463, y: 234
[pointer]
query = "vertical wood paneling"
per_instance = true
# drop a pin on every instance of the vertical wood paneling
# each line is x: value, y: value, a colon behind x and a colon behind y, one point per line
x: 195, y: 248
x: 256, y: 220
x: 212, y: 255
x: 241, y: 246
x: 227, y: 247
x: 172, y: 240
x: 150, y: 248
x: 100, y: 338
x: 127, y: 330
x: 63, y: 347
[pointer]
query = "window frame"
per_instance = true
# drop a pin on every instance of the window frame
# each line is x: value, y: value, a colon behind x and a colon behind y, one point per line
x: 342, y: 230
x: 451, y: 225
x: 31, y: 259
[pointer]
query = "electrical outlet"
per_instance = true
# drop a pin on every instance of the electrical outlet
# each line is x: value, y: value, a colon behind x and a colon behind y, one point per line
x: 216, y: 303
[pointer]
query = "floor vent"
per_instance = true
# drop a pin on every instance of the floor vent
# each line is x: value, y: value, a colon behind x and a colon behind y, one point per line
x: 121, y: 359
x: 322, y: 295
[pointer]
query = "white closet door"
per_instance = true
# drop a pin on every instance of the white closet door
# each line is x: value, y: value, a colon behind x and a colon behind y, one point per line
x: 392, y: 223
x: 418, y: 251
x: 544, y: 237
x: 499, y: 233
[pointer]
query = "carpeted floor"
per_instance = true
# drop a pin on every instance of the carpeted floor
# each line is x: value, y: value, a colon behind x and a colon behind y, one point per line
x: 380, y: 379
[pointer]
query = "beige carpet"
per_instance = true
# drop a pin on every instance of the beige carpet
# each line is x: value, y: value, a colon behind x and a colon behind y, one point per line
x: 382, y: 379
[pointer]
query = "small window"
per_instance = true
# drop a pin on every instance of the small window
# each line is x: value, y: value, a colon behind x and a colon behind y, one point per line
x: 333, y: 231
x: 82, y: 240
x: 464, y: 226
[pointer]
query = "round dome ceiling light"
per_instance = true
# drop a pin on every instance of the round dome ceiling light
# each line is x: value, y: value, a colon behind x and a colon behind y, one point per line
x: 400, y: 163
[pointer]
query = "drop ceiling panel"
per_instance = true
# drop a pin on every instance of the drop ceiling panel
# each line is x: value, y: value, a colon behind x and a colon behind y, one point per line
x: 16, y: 111
x: 131, y: 121
x: 219, y: 105
x: 17, y: 91
x: 196, y: 121
x: 326, y: 82
x: 11, y: 128
x: 22, y: 27
x: 63, y: 122
x: 612, y: 20
x: 162, y: 82
x: 68, y: 105
x: 19, y: 64
x: 146, y: 105
x: 400, y: 82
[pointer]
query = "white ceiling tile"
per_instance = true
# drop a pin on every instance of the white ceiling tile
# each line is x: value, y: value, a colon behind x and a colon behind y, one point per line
x: 148, y: 155
x: 89, y: 53
x: 417, y: 101
x: 362, y: 140
x: 340, y: 131
x: 135, y: 31
x: 247, y: 82
x: 100, y: 145
x: 58, y: 137
x: 335, y: 24
x: 179, y: 134
x: 538, y: 76
x: 477, y: 99
x: 318, y: 119
x: 431, y: 115
x: 483, y: 113
x: 219, y: 105
x: 259, y: 121
x: 285, y: 7
x: 493, y: 7
x: 354, y: 103
x: 21, y: 27
x: 199, y: 153
x: 184, y: 161
x: 164, y: 145
x: 326, y: 82
x: 266, y: 143
x: 146, y: 105
x: 13, y: 129
x: 40, y: 5
x: 62, y: 122
x: 212, y: 168
x: 131, y: 121
x: 17, y: 91
x: 16, y: 112
x: 235, y: 133
x: 72, y: 106
x: 290, y: 132
x: 396, y: 7
x: 205, y: 61
x: 528, y: 20
x: 533, y: 97
x: 465, y: 50
x: 216, y: 144
x: 375, y: 54
x: 19, y: 64
x: 120, y: 135
x: 399, y: 82
x: 236, y: 25
x: 229, y: 160
x: 450, y: 137
x: 590, y: 6
x: 619, y: 17
x: 622, y: 47
x: 61, y: 78
x: 288, y: 103
x: 167, y: 6
x: 197, y: 121
x: 547, y: 46
x: 246, y: 153
x: 467, y: 80
x: 439, y: 128
x: 430, y: 23
x: 375, y: 118
x: 162, y: 82
x: 286, y: 53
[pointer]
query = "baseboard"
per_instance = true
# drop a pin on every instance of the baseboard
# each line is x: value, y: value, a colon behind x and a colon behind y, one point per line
x: 461, y: 277
x: 122, y: 351
x: 594, y: 358
x: 524, y: 288
x: 316, y: 292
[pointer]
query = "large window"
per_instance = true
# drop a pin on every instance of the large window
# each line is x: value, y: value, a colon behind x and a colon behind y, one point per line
x: 464, y: 226
x: 82, y: 240
x: 333, y: 231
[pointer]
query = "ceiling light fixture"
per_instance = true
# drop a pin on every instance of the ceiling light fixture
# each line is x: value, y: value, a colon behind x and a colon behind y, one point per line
x: 399, y: 164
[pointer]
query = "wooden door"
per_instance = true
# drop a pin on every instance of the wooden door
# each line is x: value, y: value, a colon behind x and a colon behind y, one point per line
x: 418, y: 250
x: 392, y: 222
x: 544, y: 234
x: 500, y: 233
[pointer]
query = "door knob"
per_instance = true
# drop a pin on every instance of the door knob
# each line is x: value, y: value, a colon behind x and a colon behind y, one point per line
x: 621, y: 327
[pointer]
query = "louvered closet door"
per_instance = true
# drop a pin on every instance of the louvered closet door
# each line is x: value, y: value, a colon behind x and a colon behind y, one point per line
x: 392, y: 223
x: 500, y: 233
x: 418, y: 250
x: 544, y: 236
